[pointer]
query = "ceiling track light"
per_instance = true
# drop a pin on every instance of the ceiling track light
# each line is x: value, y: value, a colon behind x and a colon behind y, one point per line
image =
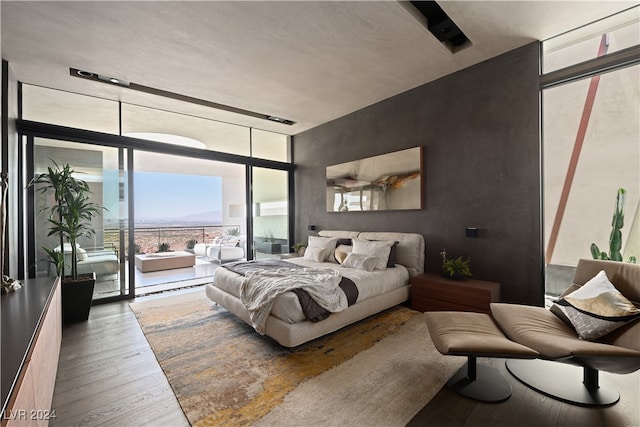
x: 113, y: 80
x: 279, y: 120
x: 98, y: 77
x: 88, y: 75
x: 85, y: 74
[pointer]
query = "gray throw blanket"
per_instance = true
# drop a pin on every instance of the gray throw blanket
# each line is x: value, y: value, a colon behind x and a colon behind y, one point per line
x: 317, y: 300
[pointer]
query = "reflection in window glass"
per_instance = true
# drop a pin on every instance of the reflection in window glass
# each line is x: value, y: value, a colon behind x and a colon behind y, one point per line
x: 270, y: 212
x: 102, y: 250
x: 216, y: 136
x: 269, y: 145
x: 57, y: 107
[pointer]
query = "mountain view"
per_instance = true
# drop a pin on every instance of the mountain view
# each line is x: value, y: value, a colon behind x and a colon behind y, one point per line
x: 202, y: 218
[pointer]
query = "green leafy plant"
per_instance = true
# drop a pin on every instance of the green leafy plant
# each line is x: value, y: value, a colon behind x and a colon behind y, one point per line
x: 456, y: 268
x: 296, y: 247
x: 299, y: 248
x: 137, y: 249
x: 615, y: 238
x: 233, y: 231
x: 164, y: 247
x: 191, y: 243
x: 71, y: 214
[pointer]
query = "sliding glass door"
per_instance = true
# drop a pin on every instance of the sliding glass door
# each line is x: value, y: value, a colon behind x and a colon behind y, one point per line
x: 104, y: 169
x: 185, y: 205
x: 270, y: 213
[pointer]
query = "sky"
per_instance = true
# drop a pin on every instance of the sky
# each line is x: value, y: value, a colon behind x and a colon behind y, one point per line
x: 159, y: 195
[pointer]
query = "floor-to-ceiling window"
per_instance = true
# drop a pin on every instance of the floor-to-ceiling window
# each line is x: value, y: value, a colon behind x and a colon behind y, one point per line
x: 591, y: 143
x: 171, y: 182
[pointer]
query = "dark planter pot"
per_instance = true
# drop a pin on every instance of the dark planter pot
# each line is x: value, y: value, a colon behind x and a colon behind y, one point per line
x: 76, y: 297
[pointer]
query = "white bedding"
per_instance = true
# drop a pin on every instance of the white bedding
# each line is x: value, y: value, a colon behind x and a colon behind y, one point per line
x: 262, y: 287
x: 379, y: 290
x: 287, y: 307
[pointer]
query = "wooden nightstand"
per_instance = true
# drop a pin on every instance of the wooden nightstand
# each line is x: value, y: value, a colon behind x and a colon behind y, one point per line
x: 430, y: 292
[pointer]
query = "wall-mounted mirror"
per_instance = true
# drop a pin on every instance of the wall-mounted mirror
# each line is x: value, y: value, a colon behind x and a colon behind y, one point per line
x: 391, y: 181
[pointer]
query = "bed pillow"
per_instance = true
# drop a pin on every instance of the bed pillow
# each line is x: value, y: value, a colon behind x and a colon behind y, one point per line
x: 316, y: 254
x: 361, y: 262
x: 341, y: 253
x: 373, y: 248
x: 328, y: 243
x: 391, y: 262
x: 345, y: 247
x: 595, y: 309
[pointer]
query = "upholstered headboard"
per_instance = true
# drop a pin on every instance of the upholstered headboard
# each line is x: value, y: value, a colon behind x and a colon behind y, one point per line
x: 410, y: 250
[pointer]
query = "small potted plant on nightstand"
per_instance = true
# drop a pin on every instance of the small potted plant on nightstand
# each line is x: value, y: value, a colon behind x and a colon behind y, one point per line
x: 455, y: 268
x: 299, y: 248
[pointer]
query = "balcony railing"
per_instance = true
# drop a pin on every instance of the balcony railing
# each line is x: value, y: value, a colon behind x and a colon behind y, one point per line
x: 178, y: 238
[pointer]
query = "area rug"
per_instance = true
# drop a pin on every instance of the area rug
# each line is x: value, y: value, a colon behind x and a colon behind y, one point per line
x: 379, y: 371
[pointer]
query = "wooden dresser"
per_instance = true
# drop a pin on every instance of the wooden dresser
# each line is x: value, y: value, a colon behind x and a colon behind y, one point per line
x: 430, y: 292
x: 31, y: 338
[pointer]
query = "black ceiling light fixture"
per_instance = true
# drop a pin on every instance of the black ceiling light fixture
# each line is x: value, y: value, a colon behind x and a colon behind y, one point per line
x: 279, y: 120
x: 98, y: 77
x: 89, y: 75
x: 85, y: 74
x: 441, y: 26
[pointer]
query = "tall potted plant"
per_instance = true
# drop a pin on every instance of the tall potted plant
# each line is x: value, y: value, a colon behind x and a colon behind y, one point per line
x: 69, y: 219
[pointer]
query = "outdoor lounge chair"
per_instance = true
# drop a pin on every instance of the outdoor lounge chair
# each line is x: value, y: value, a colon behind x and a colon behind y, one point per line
x: 222, y: 249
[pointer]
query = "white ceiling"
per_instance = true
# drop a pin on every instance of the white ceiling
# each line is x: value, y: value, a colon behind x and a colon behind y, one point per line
x: 310, y: 62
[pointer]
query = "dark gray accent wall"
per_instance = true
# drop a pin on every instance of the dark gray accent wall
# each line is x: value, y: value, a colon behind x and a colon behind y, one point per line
x: 480, y: 129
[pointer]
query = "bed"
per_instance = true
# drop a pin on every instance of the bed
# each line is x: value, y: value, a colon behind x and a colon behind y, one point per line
x: 378, y: 290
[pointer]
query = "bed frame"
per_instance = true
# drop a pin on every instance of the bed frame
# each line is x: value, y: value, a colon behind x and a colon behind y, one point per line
x: 410, y: 253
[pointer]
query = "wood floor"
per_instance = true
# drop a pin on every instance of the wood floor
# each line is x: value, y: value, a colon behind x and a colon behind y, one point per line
x: 527, y: 408
x: 108, y: 376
